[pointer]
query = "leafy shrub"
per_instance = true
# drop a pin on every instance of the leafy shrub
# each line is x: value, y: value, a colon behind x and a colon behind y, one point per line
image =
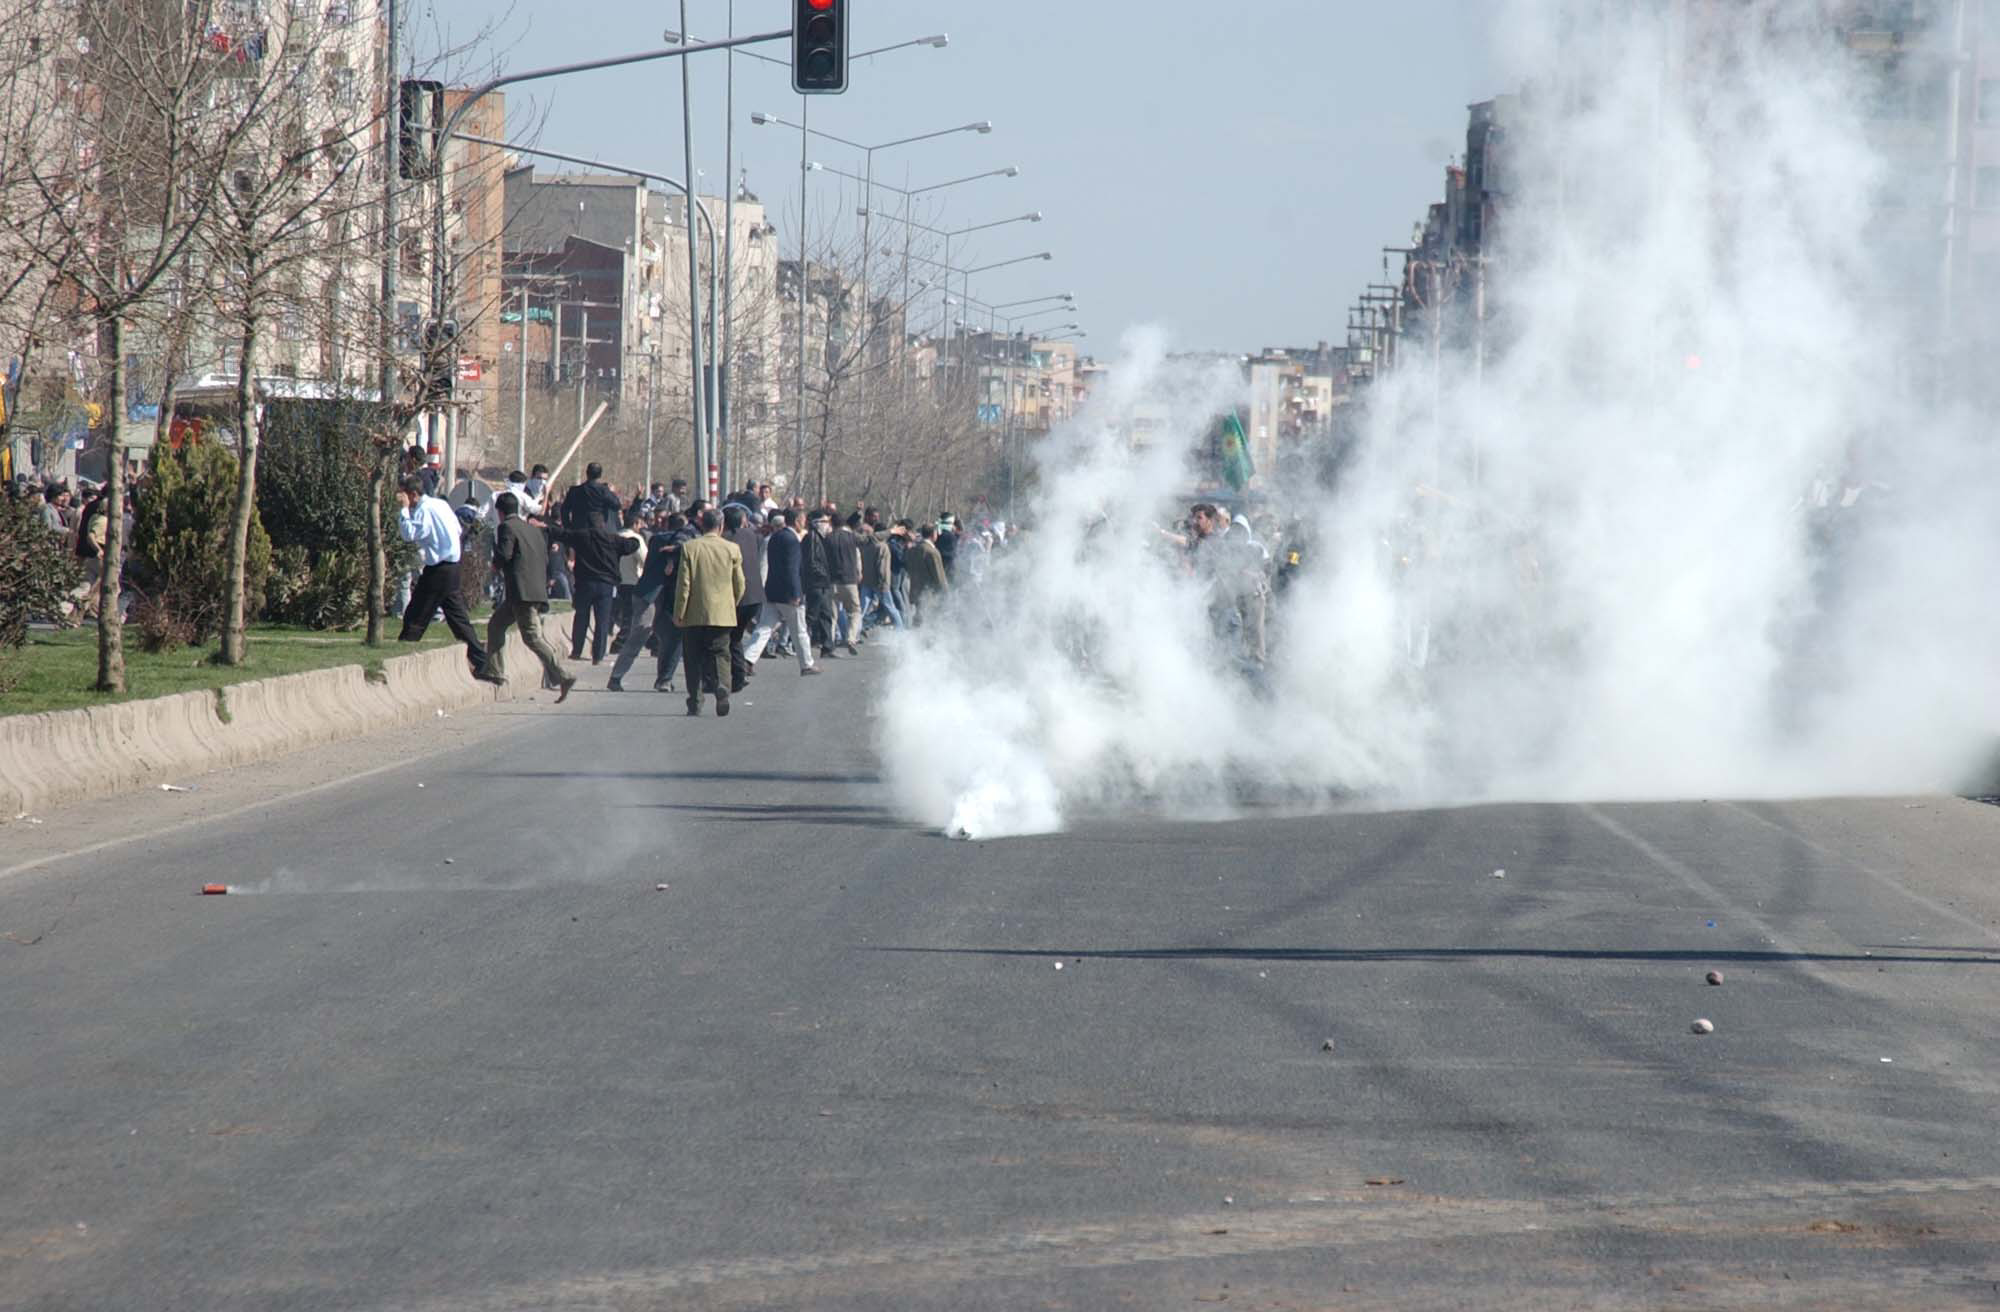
x: 312, y: 473
x: 312, y: 494
x: 181, y: 533
x: 328, y: 593
x: 38, y: 573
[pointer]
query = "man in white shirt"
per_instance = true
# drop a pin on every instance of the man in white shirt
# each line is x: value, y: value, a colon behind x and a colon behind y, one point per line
x: 432, y: 525
x: 529, y: 503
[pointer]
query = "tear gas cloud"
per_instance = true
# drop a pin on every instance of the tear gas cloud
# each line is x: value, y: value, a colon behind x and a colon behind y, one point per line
x: 1688, y: 522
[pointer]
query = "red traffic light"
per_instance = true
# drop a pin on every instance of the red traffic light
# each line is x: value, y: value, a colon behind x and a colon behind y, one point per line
x: 819, y: 47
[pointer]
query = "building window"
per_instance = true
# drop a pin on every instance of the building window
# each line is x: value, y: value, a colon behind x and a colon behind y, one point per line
x: 1986, y: 189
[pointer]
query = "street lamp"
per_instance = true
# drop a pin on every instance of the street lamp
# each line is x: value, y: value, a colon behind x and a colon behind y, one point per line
x: 694, y: 291
x: 1037, y: 300
x: 806, y: 133
x: 950, y: 235
x: 441, y: 277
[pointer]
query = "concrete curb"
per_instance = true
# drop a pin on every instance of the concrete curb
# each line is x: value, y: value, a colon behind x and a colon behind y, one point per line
x: 68, y: 756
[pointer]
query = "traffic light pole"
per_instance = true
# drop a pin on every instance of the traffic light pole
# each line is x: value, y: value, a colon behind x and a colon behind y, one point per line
x: 441, y: 274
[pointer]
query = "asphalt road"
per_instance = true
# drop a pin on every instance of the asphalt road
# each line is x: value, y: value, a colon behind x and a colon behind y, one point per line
x: 460, y: 1053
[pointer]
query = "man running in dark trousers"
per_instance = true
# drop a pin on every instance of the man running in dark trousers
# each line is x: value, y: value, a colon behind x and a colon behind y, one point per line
x: 429, y: 523
x: 521, y: 555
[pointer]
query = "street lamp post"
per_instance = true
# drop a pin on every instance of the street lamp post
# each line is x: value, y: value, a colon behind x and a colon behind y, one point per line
x: 966, y: 274
x: 806, y: 131
x: 694, y: 288
x: 910, y: 194
x: 441, y: 275
x: 950, y: 235
x: 725, y: 370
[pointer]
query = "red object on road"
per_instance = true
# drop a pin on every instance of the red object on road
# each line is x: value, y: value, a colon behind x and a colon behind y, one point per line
x: 211, y: 890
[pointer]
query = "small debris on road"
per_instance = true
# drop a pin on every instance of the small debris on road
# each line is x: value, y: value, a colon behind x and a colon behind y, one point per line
x: 174, y: 788
x: 451, y: 861
x: 420, y: 785
x: 1215, y: 1232
x: 1715, y: 977
x: 660, y: 888
x: 1228, y: 1200
x: 1711, y: 924
x: 1500, y: 874
x: 1383, y: 1180
x: 214, y: 890
x: 1059, y: 965
x: 1703, y: 1026
x: 1887, y: 1060
x: 1326, y: 1045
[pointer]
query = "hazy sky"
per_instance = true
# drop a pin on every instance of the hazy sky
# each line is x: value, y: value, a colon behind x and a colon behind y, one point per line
x: 1229, y: 172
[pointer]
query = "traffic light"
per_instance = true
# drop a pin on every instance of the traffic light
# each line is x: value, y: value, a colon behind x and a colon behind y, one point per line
x: 819, y: 47
x: 419, y: 121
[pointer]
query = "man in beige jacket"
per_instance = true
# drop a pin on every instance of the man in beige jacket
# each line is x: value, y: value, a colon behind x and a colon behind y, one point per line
x: 707, y: 588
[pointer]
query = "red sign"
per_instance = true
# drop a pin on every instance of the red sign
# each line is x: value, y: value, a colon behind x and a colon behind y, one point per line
x: 469, y: 369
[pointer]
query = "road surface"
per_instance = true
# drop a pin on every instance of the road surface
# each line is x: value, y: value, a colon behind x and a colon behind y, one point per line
x: 459, y: 1052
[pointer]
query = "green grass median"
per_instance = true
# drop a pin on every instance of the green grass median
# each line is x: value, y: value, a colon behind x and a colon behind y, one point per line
x: 55, y: 670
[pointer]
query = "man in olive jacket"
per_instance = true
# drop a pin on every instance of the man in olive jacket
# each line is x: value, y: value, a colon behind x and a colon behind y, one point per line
x: 521, y: 556
x: 707, y: 588
x: 927, y: 573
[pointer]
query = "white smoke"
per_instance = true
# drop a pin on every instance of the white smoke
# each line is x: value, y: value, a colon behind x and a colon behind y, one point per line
x: 1611, y: 559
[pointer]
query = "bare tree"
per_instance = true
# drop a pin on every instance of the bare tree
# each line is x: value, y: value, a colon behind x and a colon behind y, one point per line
x: 118, y: 208
x: 290, y: 231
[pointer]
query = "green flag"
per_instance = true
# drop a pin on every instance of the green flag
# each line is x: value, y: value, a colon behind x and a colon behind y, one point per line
x: 1237, y: 466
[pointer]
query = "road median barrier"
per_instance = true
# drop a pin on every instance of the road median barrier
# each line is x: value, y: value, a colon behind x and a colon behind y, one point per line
x: 53, y: 757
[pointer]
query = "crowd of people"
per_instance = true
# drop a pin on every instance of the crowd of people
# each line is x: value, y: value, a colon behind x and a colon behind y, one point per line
x: 77, y: 522
x: 707, y: 591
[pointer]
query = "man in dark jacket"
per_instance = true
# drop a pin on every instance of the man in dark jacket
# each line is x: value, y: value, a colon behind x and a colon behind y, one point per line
x: 899, y: 573
x: 596, y: 548
x: 820, y: 573
x: 653, y: 609
x: 521, y: 557
x: 784, y: 590
x: 846, y: 542
x: 736, y: 528
x: 591, y: 502
x: 946, y: 542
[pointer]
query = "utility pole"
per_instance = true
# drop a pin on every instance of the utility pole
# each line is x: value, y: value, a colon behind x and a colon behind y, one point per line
x: 799, y: 434
x: 392, y: 168
x: 701, y: 453
x: 725, y: 369
x: 582, y: 367
x: 521, y: 447
x: 652, y: 403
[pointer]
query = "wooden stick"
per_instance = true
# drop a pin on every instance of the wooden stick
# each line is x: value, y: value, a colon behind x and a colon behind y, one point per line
x: 602, y: 406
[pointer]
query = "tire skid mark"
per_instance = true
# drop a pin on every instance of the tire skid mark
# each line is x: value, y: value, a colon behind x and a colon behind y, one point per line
x: 1245, y: 1232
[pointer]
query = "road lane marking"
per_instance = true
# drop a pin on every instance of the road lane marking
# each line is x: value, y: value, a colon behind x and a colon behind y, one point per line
x: 1885, y: 880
